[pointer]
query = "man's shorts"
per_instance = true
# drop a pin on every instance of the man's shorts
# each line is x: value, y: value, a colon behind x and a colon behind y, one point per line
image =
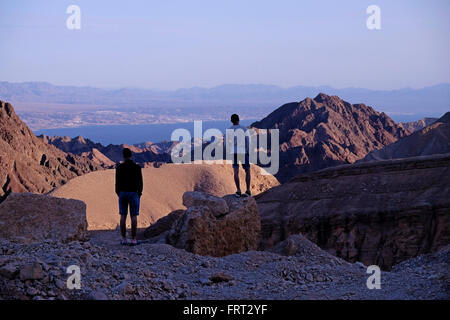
x: 239, y: 158
x: 129, y: 199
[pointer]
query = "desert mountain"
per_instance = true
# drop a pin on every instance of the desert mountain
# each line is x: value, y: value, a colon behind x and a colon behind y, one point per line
x: 108, y: 156
x: 163, y: 190
x: 379, y: 212
x: 327, y: 131
x: 414, y: 126
x: 29, y: 164
x: 433, y: 139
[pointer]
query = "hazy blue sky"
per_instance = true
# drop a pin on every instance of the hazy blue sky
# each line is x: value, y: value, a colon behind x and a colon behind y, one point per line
x: 173, y: 44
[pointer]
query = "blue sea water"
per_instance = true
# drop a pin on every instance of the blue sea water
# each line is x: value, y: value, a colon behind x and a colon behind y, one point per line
x: 133, y: 134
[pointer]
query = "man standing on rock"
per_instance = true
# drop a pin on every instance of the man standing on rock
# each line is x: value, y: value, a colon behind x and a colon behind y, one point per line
x: 240, y: 154
x: 129, y: 187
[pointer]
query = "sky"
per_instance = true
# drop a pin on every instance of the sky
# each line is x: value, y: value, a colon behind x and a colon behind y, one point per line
x: 181, y: 44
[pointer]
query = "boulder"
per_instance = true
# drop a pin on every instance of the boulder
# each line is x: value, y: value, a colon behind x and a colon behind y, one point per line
x: 97, y: 295
x: 162, y: 226
x: 8, y: 271
x: 31, y: 271
x: 33, y: 217
x: 216, y: 205
x: 201, y: 231
x: 220, y: 277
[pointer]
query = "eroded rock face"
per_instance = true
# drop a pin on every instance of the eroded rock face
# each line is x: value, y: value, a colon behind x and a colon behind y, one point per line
x: 211, y: 226
x: 27, y: 164
x: 378, y: 213
x: 33, y: 217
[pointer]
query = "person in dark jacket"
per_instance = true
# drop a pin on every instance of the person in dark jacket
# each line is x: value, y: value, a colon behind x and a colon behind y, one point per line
x: 129, y: 187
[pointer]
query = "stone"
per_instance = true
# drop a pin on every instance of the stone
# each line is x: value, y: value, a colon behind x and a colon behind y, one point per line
x: 97, y: 295
x: 61, y: 296
x: 216, y: 205
x: 31, y: 271
x: 124, y: 288
x: 167, y: 286
x: 9, y: 271
x: 32, y: 291
x: 39, y: 217
x: 60, y: 284
x: 220, y: 277
x: 204, y: 281
x: 201, y: 232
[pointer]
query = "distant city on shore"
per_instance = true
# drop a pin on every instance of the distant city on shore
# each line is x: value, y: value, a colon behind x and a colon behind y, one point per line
x: 45, y: 106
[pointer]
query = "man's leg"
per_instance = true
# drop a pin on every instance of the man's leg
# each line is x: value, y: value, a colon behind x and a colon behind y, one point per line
x: 133, y: 227
x: 237, y: 182
x: 123, y: 226
x: 123, y: 210
x: 248, y: 179
x: 236, y: 179
x: 134, y: 212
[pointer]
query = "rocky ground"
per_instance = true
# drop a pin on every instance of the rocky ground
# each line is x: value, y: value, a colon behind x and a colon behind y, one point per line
x: 159, y: 271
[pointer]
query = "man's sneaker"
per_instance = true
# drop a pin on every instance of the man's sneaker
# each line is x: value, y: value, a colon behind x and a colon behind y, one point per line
x: 238, y: 194
x: 134, y: 243
x: 247, y: 194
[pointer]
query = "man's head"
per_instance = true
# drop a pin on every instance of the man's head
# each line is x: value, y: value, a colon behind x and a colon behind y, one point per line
x: 235, y: 119
x: 127, y: 153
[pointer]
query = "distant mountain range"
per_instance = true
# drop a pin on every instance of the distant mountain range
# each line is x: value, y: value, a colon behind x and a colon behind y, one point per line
x: 417, y: 103
x: 414, y: 126
x: 108, y: 156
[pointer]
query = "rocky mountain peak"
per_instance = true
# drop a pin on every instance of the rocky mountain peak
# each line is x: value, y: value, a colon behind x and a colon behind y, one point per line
x: 445, y: 118
x: 326, y: 131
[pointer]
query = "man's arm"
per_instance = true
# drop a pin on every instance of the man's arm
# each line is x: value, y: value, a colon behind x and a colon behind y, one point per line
x: 140, y: 182
x: 117, y: 181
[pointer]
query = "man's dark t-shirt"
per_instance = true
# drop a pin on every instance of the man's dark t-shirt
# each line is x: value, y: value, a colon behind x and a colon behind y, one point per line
x: 129, y: 178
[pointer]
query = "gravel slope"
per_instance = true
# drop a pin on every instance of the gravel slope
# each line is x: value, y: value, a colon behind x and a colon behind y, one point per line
x: 156, y: 271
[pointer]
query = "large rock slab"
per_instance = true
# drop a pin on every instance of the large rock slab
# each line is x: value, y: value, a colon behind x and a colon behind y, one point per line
x: 33, y: 217
x: 378, y: 213
x: 201, y: 230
